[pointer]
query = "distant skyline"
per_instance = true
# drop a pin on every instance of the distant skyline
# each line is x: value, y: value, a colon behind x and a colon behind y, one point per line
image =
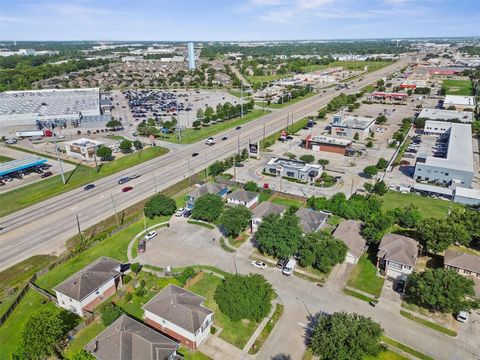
x: 236, y: 20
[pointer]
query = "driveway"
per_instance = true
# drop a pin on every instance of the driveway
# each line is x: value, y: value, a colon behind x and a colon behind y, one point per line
x: 338, y: 277
x: 390, y: 299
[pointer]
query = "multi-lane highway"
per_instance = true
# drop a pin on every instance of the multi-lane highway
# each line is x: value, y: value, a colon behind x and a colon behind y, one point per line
x: 43, y: 228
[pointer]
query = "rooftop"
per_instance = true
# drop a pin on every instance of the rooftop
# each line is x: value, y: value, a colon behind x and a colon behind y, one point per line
x: 397, y: 248
x: 462, y: 260
x: 311, y: 220
x: 446, y: 115
x: 459, y: 100
x: 467, y: 193
x: 354, y: 122
x: 330, y: 140
x: 266, y: 208
x: 243, y: 195
x: 349, y: 232
x: 20, y: 164
x: 84, y: 142
x: 300, y: 165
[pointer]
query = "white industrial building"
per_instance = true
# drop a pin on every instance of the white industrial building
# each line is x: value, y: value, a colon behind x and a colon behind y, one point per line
x: 348, y: 126
x: 460, y: 102
x: 456, y: 168
x: 83, y: 149
x: 446, y: 115
x: 467, y: 196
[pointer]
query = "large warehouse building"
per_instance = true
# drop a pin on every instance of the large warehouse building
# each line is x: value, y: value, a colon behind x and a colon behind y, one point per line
x: 457, y: 166
x: 446, y: 115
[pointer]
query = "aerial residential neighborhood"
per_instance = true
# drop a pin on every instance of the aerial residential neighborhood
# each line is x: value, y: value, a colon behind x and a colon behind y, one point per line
x: 244, y: 180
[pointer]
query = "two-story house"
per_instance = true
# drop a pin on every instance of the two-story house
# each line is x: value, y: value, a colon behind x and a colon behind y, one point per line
x: 397, y: 255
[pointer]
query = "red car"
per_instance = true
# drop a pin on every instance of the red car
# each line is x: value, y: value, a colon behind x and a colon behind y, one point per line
x: 46, y: 174
x: 127, y: 188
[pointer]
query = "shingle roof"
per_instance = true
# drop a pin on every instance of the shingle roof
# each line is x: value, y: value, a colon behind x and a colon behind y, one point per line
x: 84, y: 282
x: 349, y: 232
x: 397, y: 248
x: 129, y: 339
x: 266, y: 208
x: 310, y: 220
x: 179, y: 306
x: 462, y: 260
x: 243, y: 195
x: 208, y: 188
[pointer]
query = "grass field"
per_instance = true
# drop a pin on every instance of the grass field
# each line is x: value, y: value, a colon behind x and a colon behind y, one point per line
x: 235, y: 332
x: 349, y: 65
x: 82, y: 338
x: 427, y: 323
x: 264, y: 78
x: 405, y: 348
x: 285, y: 104
x: 238, y: 93
x: 5, y: 158
x: 387, y: 355
x: 429, y: 207
x: 191, y: 135
x: 288, y: 202
x: 192, y: 355
x: 457, y: 87
x: 364, y: 277
x: 30, y: 194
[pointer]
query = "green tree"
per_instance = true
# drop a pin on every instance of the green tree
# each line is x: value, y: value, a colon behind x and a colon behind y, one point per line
x: 196, y: 124
x: 356, y: 137
x: 322, y: 113
x: 323, y: 162
x: 41, y: 334
x: 441, y: 290
x: 343, y: 336
x: 126, y: 146
x: 369, y: 144
x: 370, y: 171
x: 136, y: 267
x: 235, y: 219
x: 436, y: 235
x: 159, y: 205
x: 244, y: 297
x: 137, y: 144
x: 113, y: 124
x: 109, y: 312
x: 381, y: 119
x: 251, y: 186
x: 408, y: 217
x: 322, y: 251
x: 375, y: 227
x: 380, y: 188
x: 104, y: 152
x: 308, y: 158
x: 83, y: 355
x: 208, y: 207
x: 382, y: 164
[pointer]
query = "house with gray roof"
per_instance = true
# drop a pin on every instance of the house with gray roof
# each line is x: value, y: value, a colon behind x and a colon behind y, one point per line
x: 129, y: 339
x: 397, y: 255
x: 208, y: 188
x: 180, y: 314
x: 463, y: 263
x: 349, y: 231
x: 311, y: 220
x: 89, y: 287
x: 243, y: 197
x: 264, y: 209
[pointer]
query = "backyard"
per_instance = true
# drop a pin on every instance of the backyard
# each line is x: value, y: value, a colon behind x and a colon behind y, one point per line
x: 364, y: 276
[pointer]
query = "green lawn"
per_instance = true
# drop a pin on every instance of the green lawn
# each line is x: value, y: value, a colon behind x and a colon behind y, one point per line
x: 82, y: 338
x: 359, y: 296
x: 350, y: 65
x: 458, y: 87
x: 265, y: 78
x: 264, y: 196
x: 5, y: 158
x: 267, y: 330
x: 285, y: 104
x: 387, y: 355
x: 427, y: 323
x: 238, y: 93
x: 191, y: 135
x: 82, y: 175
x: 192, y: 355
x: 364, y: 277
x: 114, y: 247
x: 405, y: 348
x: 288, y: 202
x: 428, y: 206
x: 235, y: 332
x: 10, y: 331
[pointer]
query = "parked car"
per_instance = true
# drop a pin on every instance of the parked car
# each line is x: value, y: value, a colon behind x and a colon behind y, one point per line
x: 123, y: 180
x: 400, y: 284
x: 142, y: 246
x: 150, y: 235
x: 259, y: 265
x: 289, y: 267
x: 2, y: 183
x: 127, y: 188
x: 180, y: 212
x: 281, y: 263
x: 44, y: 175
x: 89, y: 186
x: 462, y: 316
x: 238, y: 128
x: 187, y: 213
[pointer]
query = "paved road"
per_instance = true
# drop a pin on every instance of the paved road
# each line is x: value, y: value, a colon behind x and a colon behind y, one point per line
x: 43, y: 228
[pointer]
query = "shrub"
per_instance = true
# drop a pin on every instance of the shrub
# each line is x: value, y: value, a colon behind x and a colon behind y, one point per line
x: 140, y: 292
x: 159, y: 205
x: 109, y: 312
x: 308, y: 158
x: 136, y: 267
x: 127, y: 279
x: 127, y: 297
x: 185, y: 275
x: 213, y: 330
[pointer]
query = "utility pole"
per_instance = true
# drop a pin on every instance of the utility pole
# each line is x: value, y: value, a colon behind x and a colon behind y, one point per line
x: 78, y: 226
x: 154, y: 183
x: 241, y: 100
x: 115, y: 210
x: 95, y: 158
x: 264, y: 134
x: 58, y: 156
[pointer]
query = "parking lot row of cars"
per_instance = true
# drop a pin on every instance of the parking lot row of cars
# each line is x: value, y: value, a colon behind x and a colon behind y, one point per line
x: 40, y: 169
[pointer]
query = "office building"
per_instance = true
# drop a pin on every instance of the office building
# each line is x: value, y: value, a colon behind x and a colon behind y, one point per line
x: 191, y: 56
x: 446, y: 115
x: 293, y: 169
x: 328, y: 144
x: 348, y: 126
x: 83, y: 149
x: 459, y: 102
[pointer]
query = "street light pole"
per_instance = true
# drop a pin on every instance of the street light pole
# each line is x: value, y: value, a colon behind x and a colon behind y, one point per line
x: 115, y: 210
x: 154, y: 183
x: 58, y: 156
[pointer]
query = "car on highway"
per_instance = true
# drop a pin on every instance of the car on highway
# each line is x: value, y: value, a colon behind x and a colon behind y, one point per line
x: 142, y: 246
x: 150, y: 235
x: 127, y: 188
x: 225, y: 137
x: 210, y: 141
x: 239, y: 165
x: 46, y: 174
x: 194, y: 154
x: 180, y: 212
x: 134, y: 176
x: 259, y: 265
x: 238, y: 128
x: 123, y: 180
x: 89, y: 186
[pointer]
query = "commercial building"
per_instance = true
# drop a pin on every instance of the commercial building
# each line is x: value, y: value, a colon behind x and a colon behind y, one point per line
x: 191, y: 56
x: 457, y: 166
x: 467, y: 196
x: 446, y: 115
x: 349, y: 231
x: 180, y: 314
x: 328, y: 144
x: 83, y: 149
x: 293, y: 169
x: 380, y: 95
x: 459, y: 102
x: 397, y: 255
x: 89, y: 287
x: 348, y: 126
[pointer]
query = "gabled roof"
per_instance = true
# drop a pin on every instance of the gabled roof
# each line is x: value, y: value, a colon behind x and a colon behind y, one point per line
x: 400, y: 249
x: 179, y: 306
x: 84, y: 282
x: 349, y: 232
x: 266, y: 208
x: 128, y: 339
x: 208, y: 188
x: 462, y: 260
x: 243, y: 195
x: 310, y: 220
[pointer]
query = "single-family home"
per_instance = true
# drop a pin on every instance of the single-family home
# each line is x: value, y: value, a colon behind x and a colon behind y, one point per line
x: 349, y: 231
x: 264, y: 209
x: 311, y: 220
x: 127, y: 338
x: 397, y: 255
x: 243, y: 197
x: 180, y: 314
x: 463, y: 263
x: 208, y: 188
x: 89, y: 287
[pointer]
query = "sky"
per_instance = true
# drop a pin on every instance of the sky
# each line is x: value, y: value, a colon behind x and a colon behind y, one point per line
x: 222, y: 20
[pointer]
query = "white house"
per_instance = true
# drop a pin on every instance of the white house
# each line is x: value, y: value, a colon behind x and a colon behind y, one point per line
x: 348, y: 231
x: 397, y: 255
x: 89, y: 287
x: 180, y: 314
x: 248, y: 199
x: 83, y: 149
x: 264, y: 209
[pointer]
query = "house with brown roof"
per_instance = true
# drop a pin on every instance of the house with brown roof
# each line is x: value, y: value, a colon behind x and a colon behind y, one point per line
x: 89, y: 287
x: 463, y: 263
x: 264, y: 209
x: 243, y: 197
x: 180, y: 314
x: 397, y: 255
x: 349, y: 231
x: 127, y: 339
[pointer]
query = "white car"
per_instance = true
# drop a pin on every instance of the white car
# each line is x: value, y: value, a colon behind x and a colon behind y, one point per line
x: 134, y: 176
x: 210, y: 141
x: 180, y: 212
x: 259, y: 265
x: 150, y: 235
x: 462, y: 316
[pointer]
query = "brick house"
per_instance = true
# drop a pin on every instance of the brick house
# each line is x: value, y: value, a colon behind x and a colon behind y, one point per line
x: 179, y: 314
x: 89, y: 287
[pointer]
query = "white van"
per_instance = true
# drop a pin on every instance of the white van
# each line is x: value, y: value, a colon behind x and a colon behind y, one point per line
x: 289, y: 267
